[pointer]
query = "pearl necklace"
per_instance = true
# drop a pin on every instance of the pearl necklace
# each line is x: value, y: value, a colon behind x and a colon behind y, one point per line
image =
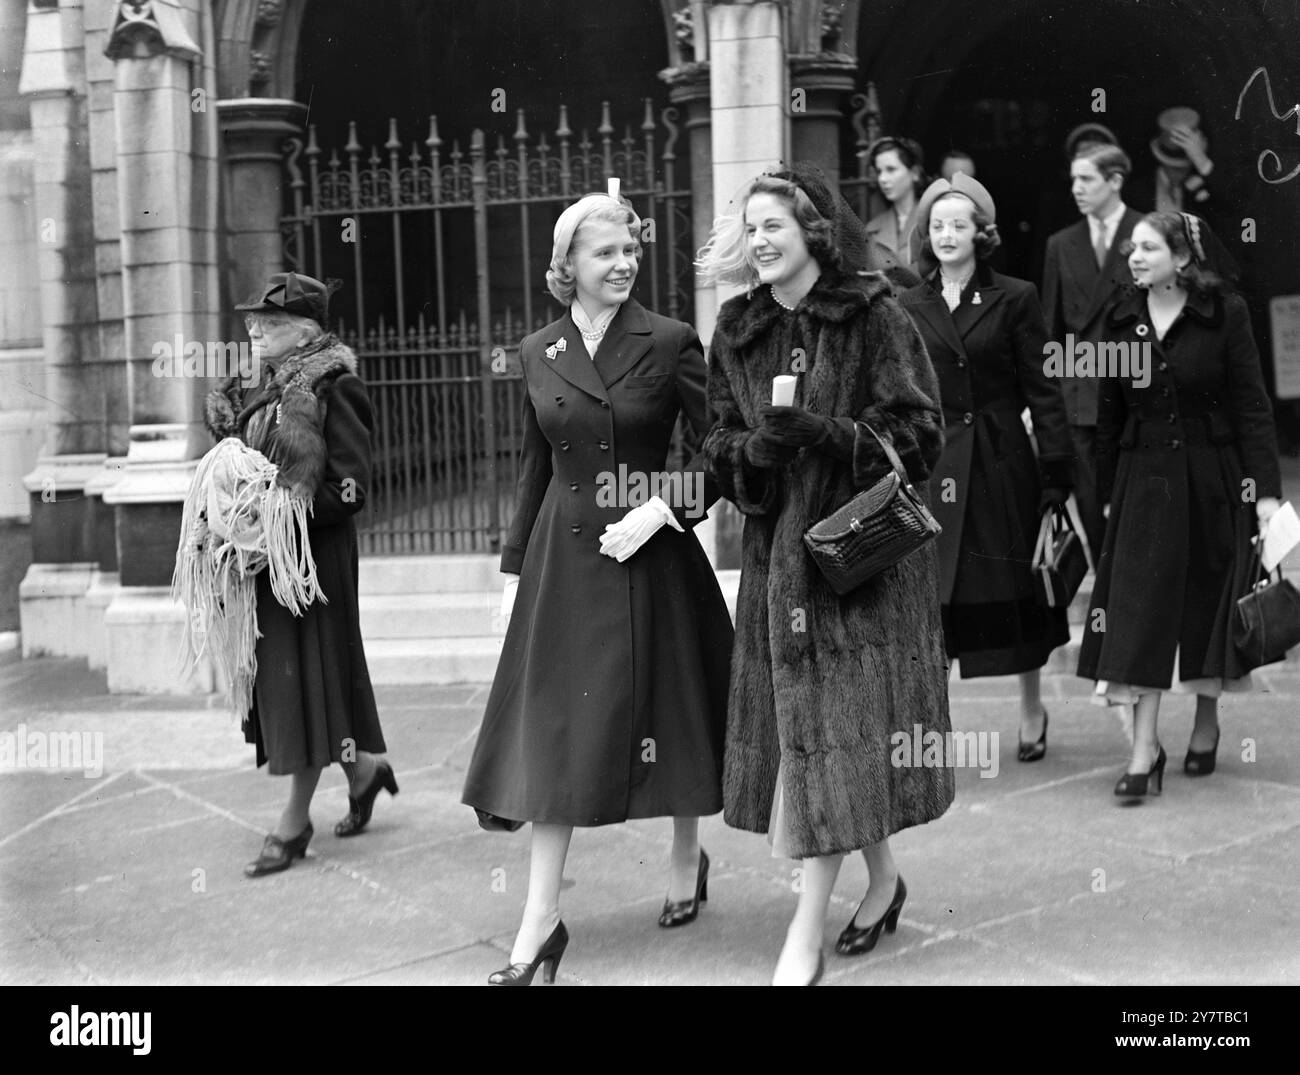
x: 777, y: 299
x: 596, y: 333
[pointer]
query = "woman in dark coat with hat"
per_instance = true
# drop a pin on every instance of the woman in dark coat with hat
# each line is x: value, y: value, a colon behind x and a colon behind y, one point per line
x: 1188, y: 465
x: 985, y: 335
x: 312, y: 700
x: 609, y: 699
x: 827, y: 691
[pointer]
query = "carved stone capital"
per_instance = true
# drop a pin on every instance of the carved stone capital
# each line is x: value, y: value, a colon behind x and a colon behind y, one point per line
x: 147, y: 28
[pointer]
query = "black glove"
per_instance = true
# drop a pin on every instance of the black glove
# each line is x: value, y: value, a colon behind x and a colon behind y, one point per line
x: 794, y: 425
x: 762, y: 450
x: 1052, y: 497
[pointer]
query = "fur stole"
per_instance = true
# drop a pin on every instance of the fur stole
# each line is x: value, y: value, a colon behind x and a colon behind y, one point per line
x: 291, y: 433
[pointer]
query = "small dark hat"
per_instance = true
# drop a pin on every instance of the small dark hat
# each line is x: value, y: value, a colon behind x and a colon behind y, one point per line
x: 1093, y: 132
x: 294, y: 293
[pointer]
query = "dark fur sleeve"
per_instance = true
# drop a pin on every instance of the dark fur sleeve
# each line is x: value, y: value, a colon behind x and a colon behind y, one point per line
x: 904, y: 394
x: 753, y: 490
x: 345, y: 480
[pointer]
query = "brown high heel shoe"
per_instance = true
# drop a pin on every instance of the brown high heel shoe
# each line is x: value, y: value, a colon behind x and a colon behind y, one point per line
x: 278, y: 854
x: 548, y: 957
x: 361, y: 807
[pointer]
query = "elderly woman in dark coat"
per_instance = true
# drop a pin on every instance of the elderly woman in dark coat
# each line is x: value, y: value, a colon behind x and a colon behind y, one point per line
x: 1187, y: 462
x: 609, y: 701
x: 312, y: 699
x: 825, y: 689
x: 984, y: 333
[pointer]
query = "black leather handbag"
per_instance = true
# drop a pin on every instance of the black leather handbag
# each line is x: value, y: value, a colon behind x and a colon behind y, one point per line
x: 874, y: 530
x: 1266, y: 621
x: 1059, y: 560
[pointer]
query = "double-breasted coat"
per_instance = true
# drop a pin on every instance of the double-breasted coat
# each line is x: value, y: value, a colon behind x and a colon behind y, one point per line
x: 823, y: 686
x: 609, y: 701
x: 988, y: 357
x: 313, y: 702
x: 1181, y: 462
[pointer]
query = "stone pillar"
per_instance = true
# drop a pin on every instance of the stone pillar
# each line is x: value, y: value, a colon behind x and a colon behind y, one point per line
x: 165, y: 133
x: 254, y: 130
x: 53, y: 81
x: 747, y: 84
x: 22, y: 361
x: 750, y: 132
x: 818, y: 85
x: 689, y: 92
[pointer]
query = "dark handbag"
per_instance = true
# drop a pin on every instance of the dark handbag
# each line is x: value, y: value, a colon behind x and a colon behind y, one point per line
x: 1266, y: 622
x: 1059, y: 560
x: 874, y: 530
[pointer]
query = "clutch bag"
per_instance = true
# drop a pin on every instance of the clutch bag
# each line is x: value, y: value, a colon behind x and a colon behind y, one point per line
x: 1059, y: 560
x: 874, y: 530
x: 1266, y: 621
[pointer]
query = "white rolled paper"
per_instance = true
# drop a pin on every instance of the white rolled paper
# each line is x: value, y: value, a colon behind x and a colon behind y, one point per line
x: 783, y: 390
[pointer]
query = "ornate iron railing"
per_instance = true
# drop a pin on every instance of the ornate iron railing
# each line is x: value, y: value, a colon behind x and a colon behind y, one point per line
x: 438, y: 345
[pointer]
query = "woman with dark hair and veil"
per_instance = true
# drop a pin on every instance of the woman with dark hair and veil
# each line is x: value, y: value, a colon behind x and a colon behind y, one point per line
x: 827, y: 691
x: 1187, y: 462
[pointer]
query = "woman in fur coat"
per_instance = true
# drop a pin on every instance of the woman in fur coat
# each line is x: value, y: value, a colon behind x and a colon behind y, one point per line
x: 308, y: 412
x: 826, y: 691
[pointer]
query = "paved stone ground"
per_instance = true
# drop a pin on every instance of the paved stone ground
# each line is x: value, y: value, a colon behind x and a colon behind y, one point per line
x: 1036, y: 875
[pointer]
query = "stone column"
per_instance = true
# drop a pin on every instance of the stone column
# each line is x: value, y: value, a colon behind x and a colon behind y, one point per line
x: 165, y: 128
x: 53, y: 80
x: 818, y: 85
x: 254, y: 131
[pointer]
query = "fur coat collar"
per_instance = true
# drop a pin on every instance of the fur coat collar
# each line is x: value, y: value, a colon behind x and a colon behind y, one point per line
x: 291, y: 433
x: 835, y: 297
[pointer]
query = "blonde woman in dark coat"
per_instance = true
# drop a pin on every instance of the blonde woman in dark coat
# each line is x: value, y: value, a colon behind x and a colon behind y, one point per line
x: 824, y: 689
x: 610, y: 696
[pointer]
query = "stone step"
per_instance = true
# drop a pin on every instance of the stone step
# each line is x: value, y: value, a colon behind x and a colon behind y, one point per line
x: 452, y: 573
x: 431, y: 615
x: 436, y: 661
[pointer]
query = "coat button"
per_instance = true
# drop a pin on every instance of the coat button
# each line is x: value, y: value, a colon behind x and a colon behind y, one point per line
x: 1165, y: 392
x: 1173, y: 418
x: 1163, y: 366
x: 605, y: 403
x: 564, y: 445
x: 968, y: 418
x: 576, y: 528
x: 604, y: 445
x: 573, y: 486
x: 961, y: 365
x: 559, y: 400
x: 1175, y: 444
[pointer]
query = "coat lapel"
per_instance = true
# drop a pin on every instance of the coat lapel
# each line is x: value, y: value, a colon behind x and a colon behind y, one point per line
x: 627, y: 340
x: 969, y: 313
x: 572, y: 362
x: 935, y: 311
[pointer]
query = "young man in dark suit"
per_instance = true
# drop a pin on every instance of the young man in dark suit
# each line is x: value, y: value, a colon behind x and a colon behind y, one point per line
x: 1082, y: 275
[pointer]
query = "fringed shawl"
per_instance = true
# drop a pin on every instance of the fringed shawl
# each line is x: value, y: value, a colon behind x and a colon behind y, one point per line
x: 238, y: 520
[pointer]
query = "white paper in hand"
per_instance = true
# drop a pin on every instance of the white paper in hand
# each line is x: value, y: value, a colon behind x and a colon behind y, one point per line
x: 783, y: 390
x: 1281, y: 536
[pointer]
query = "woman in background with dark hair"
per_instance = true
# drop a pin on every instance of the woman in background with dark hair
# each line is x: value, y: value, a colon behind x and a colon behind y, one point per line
x: 985, y: 335
x: 900, y: 174
x: 1187, y: 462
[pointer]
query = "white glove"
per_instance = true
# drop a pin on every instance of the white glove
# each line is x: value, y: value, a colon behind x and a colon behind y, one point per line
x: 1264, y: 510
x: 621, y: 539
x: 508, y: 597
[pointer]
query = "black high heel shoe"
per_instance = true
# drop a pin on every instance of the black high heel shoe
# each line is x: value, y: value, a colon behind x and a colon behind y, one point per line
x: 360, y: 808
x: 278, y: 854
x: 1202, y: 762
x: 549, y: 955
x: 683, y: 912
x: 1034, y: 751
x: 856, y: 942
x: 1136, y: 785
